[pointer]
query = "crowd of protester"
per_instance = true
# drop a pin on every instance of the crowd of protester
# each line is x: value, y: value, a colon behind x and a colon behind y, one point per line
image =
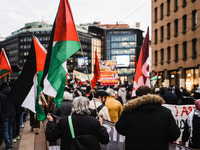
x: 142, y: 119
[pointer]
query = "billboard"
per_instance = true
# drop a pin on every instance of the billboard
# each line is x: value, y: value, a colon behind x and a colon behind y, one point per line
x: 82, y: 61
x: 123, y: 60
x: 109, y: 73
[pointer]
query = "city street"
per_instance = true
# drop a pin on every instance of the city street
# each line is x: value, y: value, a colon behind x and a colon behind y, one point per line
x: 29, y: 140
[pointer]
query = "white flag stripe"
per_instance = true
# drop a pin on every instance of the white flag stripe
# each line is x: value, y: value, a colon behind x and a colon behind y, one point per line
x: 29, y: 101
x: 48, y: 88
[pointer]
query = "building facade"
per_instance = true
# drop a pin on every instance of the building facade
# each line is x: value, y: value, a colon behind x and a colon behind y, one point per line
x: 175, y: 42
x: 121, y: 43
x: 17, y: 47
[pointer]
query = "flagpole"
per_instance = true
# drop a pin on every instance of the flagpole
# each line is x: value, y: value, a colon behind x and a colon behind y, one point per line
x: 88, y: 75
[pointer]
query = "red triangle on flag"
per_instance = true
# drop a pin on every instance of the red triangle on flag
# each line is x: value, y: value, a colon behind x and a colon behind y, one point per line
x: 4, y: 64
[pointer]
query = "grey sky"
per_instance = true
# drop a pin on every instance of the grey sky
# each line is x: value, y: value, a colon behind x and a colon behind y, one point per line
x: 14, y: 14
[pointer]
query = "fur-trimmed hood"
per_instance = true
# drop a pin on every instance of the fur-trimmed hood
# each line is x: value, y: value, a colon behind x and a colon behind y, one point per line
x: 145, y: 102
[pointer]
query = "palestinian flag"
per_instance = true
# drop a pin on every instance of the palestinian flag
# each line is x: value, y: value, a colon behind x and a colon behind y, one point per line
x: 63, y: 44
x: 4, y: 64
x: 155, y: 77
x: 27, y: 88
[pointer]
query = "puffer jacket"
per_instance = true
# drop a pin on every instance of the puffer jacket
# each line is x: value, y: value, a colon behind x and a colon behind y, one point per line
x: 146, y: 124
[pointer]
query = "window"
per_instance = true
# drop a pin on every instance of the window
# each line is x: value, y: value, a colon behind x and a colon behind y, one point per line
x: 175, y: 5
x: 194, y: 48
x: 156, y: 36
x: 162, y: 56
x: 194, y: 20
x: 156, y: 58
x: 168, y: 7
x: 184, y: 3
x: 155, y: 19
x: 184, y: 51
x: 176, y: 52
x: 161, y: 11
x: 184, y: 24
x: 168, y: 31
x: 161, y: 34
x: 168, y: 55
x: 176, y: 28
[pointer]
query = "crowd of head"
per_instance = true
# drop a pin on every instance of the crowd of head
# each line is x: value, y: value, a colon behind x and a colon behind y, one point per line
x: 135, y: 117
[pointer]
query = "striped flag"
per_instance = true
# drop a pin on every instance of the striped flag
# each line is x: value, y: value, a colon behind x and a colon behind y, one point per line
x: 26, y: 89
x: 4, y: 64
x: 63, y: 44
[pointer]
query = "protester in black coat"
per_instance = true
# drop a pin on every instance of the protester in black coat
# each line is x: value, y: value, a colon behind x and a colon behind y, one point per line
x: 1, y: 124
x: 146, y: 124
x: 170, y: 98
x: 83, y: 124
x: 66, y: 106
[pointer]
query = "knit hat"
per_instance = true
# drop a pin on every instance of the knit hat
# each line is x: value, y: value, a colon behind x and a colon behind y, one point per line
x: 197, y: 104
x: 110, y: 92
x: 67, y: 96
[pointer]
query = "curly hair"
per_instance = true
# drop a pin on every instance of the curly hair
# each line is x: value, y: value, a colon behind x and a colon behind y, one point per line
x: 80, y: 105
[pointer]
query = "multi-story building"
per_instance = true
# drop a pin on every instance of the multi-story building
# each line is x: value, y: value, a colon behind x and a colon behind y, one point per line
x: 17, y: 46
x: 121, y: 43
x: 175, y: 42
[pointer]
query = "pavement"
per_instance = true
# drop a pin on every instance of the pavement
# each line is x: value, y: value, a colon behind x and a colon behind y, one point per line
x: 29, y: 140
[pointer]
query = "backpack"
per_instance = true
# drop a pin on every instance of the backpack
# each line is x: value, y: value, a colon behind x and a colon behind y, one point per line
x: 94, y: 111
x: 82, y: 142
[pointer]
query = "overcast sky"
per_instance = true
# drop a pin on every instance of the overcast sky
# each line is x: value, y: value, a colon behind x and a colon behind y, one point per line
x: 15, y: 13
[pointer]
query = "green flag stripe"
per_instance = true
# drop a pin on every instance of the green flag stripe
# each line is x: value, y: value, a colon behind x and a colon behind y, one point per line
x: 3, y: 71
x: 154, y: 78
x: 39, y: 111
x: 61, y: 51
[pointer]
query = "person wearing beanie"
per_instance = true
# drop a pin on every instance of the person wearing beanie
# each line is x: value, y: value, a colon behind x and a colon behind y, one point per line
x: 113, y: 105
x: 66, y: 105
x: 98, y: 101
x: 192, y: 128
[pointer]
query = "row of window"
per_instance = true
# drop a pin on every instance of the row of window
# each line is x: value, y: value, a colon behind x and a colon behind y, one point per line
x: 29, y: 39
x: 125, y: 71
x: 121, y: 51
x: 176, y: 28
x: 122, y: 38
x: 176, y: 53
x: 184, y: 3
x: 29, y: 46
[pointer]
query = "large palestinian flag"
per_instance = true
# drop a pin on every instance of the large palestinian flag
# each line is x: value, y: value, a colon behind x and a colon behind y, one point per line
x: 4, y: 64
x: 27, y: 88
x: 63, y: 44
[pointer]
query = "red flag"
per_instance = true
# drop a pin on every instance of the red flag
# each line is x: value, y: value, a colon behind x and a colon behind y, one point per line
x: 135, y: 63
x: 96, y: 71
x: 142, y: 71
x: 4, y: 64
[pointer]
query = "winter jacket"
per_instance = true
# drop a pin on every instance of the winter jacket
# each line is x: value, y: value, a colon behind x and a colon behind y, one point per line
x: 103, y: 113
x: 114, y: 108
x: 192, y: 130
x: 65, y: 109
x: 122, y: 94
x: 1, y: 126
x: 170, y: 98
x: 82, y: 124
x: 8, y: 108
x: 146, y: 124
